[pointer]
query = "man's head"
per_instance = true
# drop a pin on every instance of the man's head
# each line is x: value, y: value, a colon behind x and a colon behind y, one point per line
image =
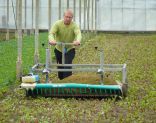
x: 68, y: 16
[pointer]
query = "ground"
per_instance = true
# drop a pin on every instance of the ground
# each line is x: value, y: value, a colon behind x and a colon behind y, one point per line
x: 136, y: 50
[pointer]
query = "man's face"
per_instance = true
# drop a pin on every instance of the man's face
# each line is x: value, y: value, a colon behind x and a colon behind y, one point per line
x: 68, y: 18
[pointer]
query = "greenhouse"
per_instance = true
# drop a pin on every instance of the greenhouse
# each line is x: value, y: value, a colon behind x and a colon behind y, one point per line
x: 67, y: 61
x: 103, y: 15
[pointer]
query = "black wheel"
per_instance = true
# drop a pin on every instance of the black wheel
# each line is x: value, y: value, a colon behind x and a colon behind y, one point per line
x: 28, y: 93
x: 31, y: 93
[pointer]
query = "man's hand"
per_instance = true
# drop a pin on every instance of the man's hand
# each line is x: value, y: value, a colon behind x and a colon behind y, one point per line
x: 76, y: 43
x: 52, y: 42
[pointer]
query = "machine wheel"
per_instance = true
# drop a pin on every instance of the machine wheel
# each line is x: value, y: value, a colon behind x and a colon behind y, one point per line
x: 30, y: 93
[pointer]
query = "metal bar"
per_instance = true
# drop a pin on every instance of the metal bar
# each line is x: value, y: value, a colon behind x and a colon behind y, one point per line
x: 69, y: 85
x: 45, y: 71
x: 61, y: 43
x: 47, y: 58
x: 101, y: 66
x: 93, y: 65
x: 81, y: 70
x: 40, y: 64
x: 35, y: 66
x: 98, y: 65
x: 63, y: 53
x: 124, y: 74
x: 101, y: 59
x: 84, y: 69
x: 63, y: 50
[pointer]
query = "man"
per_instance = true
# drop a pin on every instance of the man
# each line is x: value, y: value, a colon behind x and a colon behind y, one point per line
x: 65, y: 31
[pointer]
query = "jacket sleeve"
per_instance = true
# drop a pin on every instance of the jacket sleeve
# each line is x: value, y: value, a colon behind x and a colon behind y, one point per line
x: 77, y: 33
x: 52, y: 32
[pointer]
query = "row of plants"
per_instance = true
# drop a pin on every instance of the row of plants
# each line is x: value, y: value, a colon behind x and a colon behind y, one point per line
x: 136, y: 50
x: 8, y: 52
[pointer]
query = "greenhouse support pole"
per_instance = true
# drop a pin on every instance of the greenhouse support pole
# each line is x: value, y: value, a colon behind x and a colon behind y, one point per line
x: 49, y: 14
x: 16, y: 18
x: 95, y: 16
x: 92, y: 8
x: 146, y: 15
x: 25, y: 14
x: 80, y: 13
x: 84, y: 22
x: 19, y: 41
x: 32, y: 17
x: 49, y: 18
x: 88, y: 15
x: 59, y: 9
x: 67, y: 4
x: 7, y: 34
x: 36, y: 55
x: 74, y: 6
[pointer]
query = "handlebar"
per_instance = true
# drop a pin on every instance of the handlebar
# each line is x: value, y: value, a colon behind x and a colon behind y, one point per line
x: 63, y: 49
x: 63, y: 44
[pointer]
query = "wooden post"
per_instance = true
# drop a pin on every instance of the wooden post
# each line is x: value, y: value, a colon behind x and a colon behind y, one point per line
x: 145, y: 14
x: 95, y: 15
x: 32, y: 16
x: 59, y: 9
x: 80, y: 13
x: 74, y: 5
x: 84, y: 15
x: 19, y: 28
x: 7, y: 34
x: 92, y: 14
x: 36, y: 55
x: 88, y: 15
x: 25, y: 14
x: 122, y: 21
x: 111, y: 13
x: 49, y: 18
x: 49, y: 14
x: 67, y: 4
x: 16, y: 18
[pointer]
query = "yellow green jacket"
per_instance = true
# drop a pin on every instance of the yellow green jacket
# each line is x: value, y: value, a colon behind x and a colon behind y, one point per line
x: 64, y: 33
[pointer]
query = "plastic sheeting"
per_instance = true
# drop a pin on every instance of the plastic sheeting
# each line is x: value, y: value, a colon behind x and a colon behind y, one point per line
x: 112, y: 15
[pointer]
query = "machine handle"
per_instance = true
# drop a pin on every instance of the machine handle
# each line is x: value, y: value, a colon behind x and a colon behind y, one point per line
x: 64, y: 44
x: 61, y: 43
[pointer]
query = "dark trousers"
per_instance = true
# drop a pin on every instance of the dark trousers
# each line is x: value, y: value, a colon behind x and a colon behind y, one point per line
x: 69, y: 56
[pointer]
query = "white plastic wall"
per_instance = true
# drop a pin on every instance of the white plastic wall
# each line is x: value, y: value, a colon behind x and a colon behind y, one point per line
x: 112, y: 15
x: 127, y: 15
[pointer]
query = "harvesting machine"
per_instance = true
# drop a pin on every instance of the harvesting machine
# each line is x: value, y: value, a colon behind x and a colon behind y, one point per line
x: 35, y: 87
